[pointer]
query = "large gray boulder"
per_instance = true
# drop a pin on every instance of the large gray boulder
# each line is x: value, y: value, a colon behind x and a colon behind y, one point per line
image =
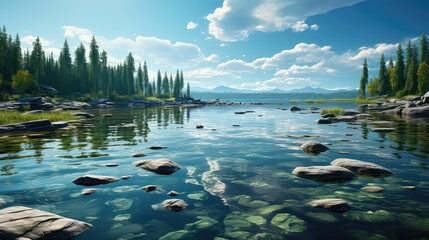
x: 92, y: 180
x: 324, y: 173
x: 350, y: 112
x: 416, y: 111
x: 313, y: 147
x: 362, y: 168
x: 28, y: 223
x: 332, y: 204
x: 425, y: 98
x: 162, y: 166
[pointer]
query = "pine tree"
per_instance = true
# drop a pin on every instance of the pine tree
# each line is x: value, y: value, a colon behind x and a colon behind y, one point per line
x: 80, y: 70
x: 104, y: 71
x: 13, y: 57
x: 424, y: 49
x: 139, y: 80
x: 94, y: 66
x: 130, y: 66
x: 3, y: 52
x: 158, y: 83
x: 165, y: 85
x: 176, y: 91
x: 188, y: 91
x: 171, y: 84
x: 363, y: 80
x: 383, y: 78
x: 423, y: 78
x: 146, y: 80
x: 399, y: 72
x: 65, y: 63
x: 37, y: 61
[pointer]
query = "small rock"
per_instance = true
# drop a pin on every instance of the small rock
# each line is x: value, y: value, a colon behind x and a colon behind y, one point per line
x: 157, y: 147
x: 172, y: 193
x: 240, y: 113
x: 128, y: 125
x: 372, y: 189
x: 35, y: 135
x: 295, y: 108
x: 345, y: 153
x: 324, y: 121
x: 149, y: 188
x: 199, y: 126
x: 88, y: 191
x: 160, y: 166
x: 175, y: 205
x: 138, y: 155
x: 111, y: 165
x: 83, y: 114
x: 125, y: 177
x: 236, y: 125
x: 324, y: 173
x: 332, y: 204
x: 92, y: 180
x: 313, y: 147
x: 409, y: 187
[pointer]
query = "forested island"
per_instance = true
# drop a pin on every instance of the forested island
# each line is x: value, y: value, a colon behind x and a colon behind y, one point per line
x: 409, y: 76
x: 28, y: 71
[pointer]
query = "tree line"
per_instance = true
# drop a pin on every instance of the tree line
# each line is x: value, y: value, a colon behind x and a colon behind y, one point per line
x: 407, y: 76
x: 25, y: 71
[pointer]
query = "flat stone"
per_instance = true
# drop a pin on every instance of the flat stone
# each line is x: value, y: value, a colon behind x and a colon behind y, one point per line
x: 128, y: 125
x: 324, y: 121
x: 350, y: 112
x: 324, y: 173
x: 83, y: 114
x: 172, y: 193
x: 88, y: 191
x: 27, y: 223
x: 92, y: 180
x: 138, y: 155
x: 372, y: 189
x: 362, y: 168
x: 416, y: 111
x: 409, y: 187
x: 199, y: 126
x: 313, y: 147
x: 157, y: 147
x: 332, y: 204
x: 125, y: 177
x: 162, y: 166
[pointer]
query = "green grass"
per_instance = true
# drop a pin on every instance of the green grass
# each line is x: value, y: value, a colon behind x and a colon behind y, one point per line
x: 336, y: 111
x: 9, y: 117
x: 315, y: 101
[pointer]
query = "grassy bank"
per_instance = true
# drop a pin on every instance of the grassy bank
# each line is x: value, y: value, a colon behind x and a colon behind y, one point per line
x: 336, y: 111
x: 9, y: 117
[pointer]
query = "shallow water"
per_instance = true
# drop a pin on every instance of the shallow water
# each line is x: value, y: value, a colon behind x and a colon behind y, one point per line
x: 238, y: 176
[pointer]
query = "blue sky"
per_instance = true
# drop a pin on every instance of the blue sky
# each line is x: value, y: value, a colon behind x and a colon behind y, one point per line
x: 246, y: 44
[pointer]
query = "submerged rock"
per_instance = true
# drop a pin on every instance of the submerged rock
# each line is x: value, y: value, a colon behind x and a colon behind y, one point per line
x: 162, y: 166
x: 372, y: 189
x: 289, y: 223
x: 92, y: 180
x: 324, y: 121
x: 157, y: 147
x: 322, y: 217
x: 324, y: 173
x: 199, y: 126
x: 149, y: 188
x: 332, y: 204
x: 175, y: 205
x: 177, y: 235
x: 120, y: 204
x: 28, y: 223
x: 88, y: 191
x: 202, y: 224
x: 414, y: 222
x: 362, y: 168
x: 83, y: 114
x: 379, y: 216
x: 138, y: 155
x: 172, y: 193
x: 313, y: 147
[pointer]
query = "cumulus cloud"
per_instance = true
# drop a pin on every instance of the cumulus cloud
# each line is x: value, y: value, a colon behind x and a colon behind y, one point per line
x: 206, y: 73
x: 191, y: 25
x: 237, y: 65
x: 299, y: 26
x: 237, y: 19
x: 161, y: 51
x: 314, y: 27
x: 376, y: 51
x: 29, y: 39
x: 213, y: 58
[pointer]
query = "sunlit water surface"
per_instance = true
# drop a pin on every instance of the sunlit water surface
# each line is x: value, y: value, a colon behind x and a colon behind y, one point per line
x: 237, y: 176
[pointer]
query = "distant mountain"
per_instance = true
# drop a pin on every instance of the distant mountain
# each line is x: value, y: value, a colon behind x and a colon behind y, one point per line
x: 310, y: 90
x: 225, y: 89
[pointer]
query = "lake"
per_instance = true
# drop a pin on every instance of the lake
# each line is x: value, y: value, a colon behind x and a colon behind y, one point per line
x: 236, y: 175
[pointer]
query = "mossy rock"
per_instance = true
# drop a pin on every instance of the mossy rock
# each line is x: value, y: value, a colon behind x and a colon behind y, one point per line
x: 266, y: 236
x: 239, y: 235
x: 270, y: 209
x: 414, y: 222
x: 177, y: 235
x: 379, y: 216
x: 247, y: 201
x: 289, y: 223
x: 200, y: 196
x: 203, y: 223
x: 322, y: 217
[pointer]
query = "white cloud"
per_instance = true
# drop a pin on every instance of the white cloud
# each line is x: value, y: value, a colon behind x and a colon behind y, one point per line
x: 237, y: 19
x: 236, y: 65
x: 205, y: 73
x: 375, y: 52
x: 160, y: 51
x: 213, y: 58
x: 29, y: 39
x: 314, y: 27
x: 191, y: 25
x: 299, y: 26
